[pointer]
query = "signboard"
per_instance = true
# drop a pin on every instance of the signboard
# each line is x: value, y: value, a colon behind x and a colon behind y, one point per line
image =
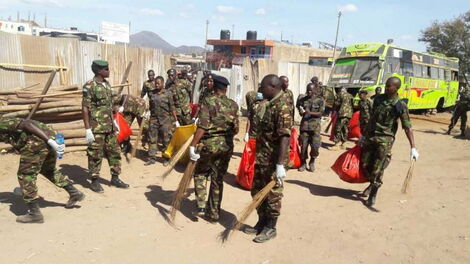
x: 114, y: 32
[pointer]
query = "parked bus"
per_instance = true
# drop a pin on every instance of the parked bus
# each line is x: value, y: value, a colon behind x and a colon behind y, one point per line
x: 429, y: 80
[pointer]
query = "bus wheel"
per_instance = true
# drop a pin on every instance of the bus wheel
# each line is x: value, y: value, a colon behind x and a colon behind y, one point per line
x: 440, y: 106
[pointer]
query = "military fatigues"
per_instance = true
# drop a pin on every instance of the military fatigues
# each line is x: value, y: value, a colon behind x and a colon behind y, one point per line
x: 134, y: 108
x: 204, y: 94
x: 181, y: 91
x: 161, y: 120
x: 147, y: 88
x: 275, y: 119
x: 219, y: 118
x: 380, y: 136
x: 36, y: 156
x: 99, y: 99
x: 310, y: 128
x: 289, y: 98
x: 252, y: 104
x: 460, y: 111
x: 343, y: 106
x: 365, y: 106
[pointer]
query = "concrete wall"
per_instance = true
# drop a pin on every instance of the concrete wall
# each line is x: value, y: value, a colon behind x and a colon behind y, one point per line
x: 293, y: 53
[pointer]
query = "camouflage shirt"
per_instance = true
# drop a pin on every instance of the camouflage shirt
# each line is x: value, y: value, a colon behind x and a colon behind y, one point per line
x: 162, y: 106
x: 365, y: 106
x: 147, y: 88
x: 343, y: 104
x: 384, y: 117
x: 219, y: 118
x: 99, y: 99
x: 11, y: 134
x: 204, y: 94
x: 289, y: 98
x: 180, y: 97
x: 274, y: 123
x: 465, y: 95
x: 252, y: 105
x: 315, y: 104
x: 135, y: 105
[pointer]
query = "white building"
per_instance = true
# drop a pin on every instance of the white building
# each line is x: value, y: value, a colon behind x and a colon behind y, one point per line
x: 19, y: 27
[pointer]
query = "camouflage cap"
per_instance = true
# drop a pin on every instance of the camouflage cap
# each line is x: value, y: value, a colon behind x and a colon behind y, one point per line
x: 171, y: 71
x: 100, y: 63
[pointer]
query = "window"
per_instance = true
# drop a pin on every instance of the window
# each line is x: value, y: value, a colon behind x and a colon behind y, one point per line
x: 434, y: 72
x: 388, y: 68
x: 441, y: 74
x: 455, y: 76
x: 447, y: 75
x: 243, y: 50
x: 262, y: 50
x: 426, y: 72
x: 417, y: 71
x: 407, y: 68
x: 20, y: 29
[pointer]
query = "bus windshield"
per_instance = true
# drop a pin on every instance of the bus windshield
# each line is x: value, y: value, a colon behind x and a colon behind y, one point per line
x: 355, y: 71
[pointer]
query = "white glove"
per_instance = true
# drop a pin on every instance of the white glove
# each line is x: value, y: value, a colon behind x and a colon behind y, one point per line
x: 195, y: 120
x: 59, y: 148
x: 90, y: 138
x: 177, y: 124
x: 280, y: 173
x: 247, y: 137
x: 192, y: 154
x: 414, y: 154
x: 116, y: 125
x: 121, y: 109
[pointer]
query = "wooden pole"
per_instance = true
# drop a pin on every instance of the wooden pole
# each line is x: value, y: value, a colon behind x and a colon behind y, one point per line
x: 44, y: 91
x: 75, y: 92
x: 61, y: 73
x: 125, y: 76
x: 137, y: 141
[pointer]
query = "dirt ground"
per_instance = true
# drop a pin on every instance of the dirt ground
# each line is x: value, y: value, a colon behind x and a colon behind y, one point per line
x: 323, y: 220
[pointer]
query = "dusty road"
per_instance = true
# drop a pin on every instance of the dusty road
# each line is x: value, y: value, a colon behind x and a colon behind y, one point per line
x: 322, y: 221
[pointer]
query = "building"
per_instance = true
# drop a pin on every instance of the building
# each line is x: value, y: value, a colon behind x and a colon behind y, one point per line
x: 23, y: 27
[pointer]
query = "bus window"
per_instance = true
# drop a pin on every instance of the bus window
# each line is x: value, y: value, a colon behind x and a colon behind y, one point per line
x: 441, y: 74
x: 417, y: 70
x: 388, y: 68
x: 434, y: 73
x: 455, y: 76
x: 447, y: 75
x: 407, y: 68
x: 426, y: 72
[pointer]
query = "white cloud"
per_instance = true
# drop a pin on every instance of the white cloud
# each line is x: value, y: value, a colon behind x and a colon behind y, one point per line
x: 183, y: 15
x: 348, y: 8
x: 228, y: 9
x: 190, y: 6
x: 152, y: 12
x: 260, y: 12
x: 218, y: 18
x: 46, y: 3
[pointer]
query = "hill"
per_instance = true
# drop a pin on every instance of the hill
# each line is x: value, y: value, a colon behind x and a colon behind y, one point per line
x: 153, y: 40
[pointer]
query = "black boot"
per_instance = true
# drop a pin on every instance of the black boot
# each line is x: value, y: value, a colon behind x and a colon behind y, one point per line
x: 75, y: 196
x: 303, y: 167
x: 200, y: 212
x: 373, y: 194
x: 269, y: 232
x: 96, y: 186
x: 448, y: 131
x: 151, y: 161
x: 256, y: 229
x: 115, y: 181
x: 33, y: 216
x: 311, y: 166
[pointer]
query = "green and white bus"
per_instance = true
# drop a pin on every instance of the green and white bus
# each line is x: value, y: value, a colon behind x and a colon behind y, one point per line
x: 429, y: 80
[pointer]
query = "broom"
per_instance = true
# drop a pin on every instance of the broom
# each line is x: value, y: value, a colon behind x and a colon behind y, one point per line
x: 177, y: 157
x: 181, y: 190
x: 408, y: 178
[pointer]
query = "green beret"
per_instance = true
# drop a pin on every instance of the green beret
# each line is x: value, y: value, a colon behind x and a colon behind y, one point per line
x: 100, y: 63
x: 171, y: 71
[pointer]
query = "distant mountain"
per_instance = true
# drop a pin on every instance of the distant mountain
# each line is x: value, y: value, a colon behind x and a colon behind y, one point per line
x: 153, y: 40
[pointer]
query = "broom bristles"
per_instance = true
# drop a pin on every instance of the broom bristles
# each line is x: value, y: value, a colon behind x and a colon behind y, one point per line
x: 177, y: 157
x: 409, y: 176
x: 181, y: 190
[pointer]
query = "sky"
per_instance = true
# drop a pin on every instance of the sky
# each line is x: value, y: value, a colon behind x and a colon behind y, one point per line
x: 183, y: 22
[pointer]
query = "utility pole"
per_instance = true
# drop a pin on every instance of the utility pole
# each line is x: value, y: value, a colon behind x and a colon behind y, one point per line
x: 336, y: 38
x: 205, y: 44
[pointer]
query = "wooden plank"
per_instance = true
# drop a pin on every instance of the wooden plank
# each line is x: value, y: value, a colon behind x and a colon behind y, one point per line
x: 44, y: 91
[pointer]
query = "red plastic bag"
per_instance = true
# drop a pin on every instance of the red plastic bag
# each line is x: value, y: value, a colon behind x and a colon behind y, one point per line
x: 334, y: 117
x: 294, y: 154
x: 194, y: 108
x: 124, y: 130
x: 246, y: 170
x: 348, y: 166
x: 354, y: 126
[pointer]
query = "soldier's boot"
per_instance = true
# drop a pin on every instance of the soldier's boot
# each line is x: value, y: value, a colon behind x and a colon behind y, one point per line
x: 166, y: 162
x: 269, y: 232
x: 75, y: 196
x: 115, y: 181
x: 372, y: 196
x: 96, y: 186
x: 151, y: 161
x: 33, y: 215
x: 366, y: 191
x: 303, y: 167
x: 448, y: 131
x: 257, y: 228
x: 311, y: 166
x: 462, y: 134
x: 200, y: 212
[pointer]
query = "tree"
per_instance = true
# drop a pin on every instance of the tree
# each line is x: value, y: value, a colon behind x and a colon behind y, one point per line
x: 451, y: 38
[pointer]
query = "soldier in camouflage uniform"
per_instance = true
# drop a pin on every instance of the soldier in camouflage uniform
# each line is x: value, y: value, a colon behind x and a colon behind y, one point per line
x: 181, y: 92
x: 253, y: 100
x: 460, y: 111
x: 365, y: 105
x: 206, y: 91
x: 312, y: 110
x: 38, y: 148
x: 132, y: 107
x: 97, y: 107
x: 217, y: 125
x: 162, y: 116
x: 380, y: 133
x: 272, y: 142
x: 344, y: 109
x: 289, y: 96
x: 148, y: 85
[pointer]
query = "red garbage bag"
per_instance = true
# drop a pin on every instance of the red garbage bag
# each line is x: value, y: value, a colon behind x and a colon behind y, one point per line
x: 354, y: 126
x: 246, y: 170
x: 194, y: 108
x: 348, y: 166
x: 334, y: 117
x: 294, y: 154
x: 124, y: 130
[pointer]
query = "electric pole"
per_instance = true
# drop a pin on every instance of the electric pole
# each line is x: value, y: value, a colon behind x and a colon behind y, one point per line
x: 336, y: 38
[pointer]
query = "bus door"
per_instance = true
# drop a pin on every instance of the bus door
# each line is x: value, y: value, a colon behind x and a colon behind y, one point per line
x: 407, y: 88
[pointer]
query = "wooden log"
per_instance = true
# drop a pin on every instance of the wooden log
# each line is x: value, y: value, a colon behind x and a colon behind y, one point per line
x: 72, y: 92
x: 11, y: 108
x: 73, y: 133
x: 14, y: 90
x: 5, y: 146
x: 44, y: 91
x: 68, y: 125
x: 75, y: 149
x: 76, y: 142
x: 46, y: 111
x: 19, y: 101
x: 125, y: 76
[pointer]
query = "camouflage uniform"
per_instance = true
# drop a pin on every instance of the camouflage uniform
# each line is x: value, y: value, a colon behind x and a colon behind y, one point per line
x: 161, y: 120
x: 310, y: 128
x: 343, y: 106
x: 460, y: 111
x: 289, y: 98
x: 147, y: 88
x: 275, y: 119
x: 252, y: 105
x: 380, y: 136
x: 219, y: 118
x: 365, y: 107
x: 36, y: 156
x: 134, y: 108
x: 99, y: 99
x: 204, y: 94
x: 181, y: 91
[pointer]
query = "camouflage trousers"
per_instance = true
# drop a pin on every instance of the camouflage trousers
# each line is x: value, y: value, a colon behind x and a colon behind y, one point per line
x: 312, y: 139
x: 375, y: 158
x: 271, y: 206
x: 146, y: 132
x: 363, y: 125
x: 184, y: 119
x: 213, y: 167
x: 342, y: 129
x: 37, y: 158
x: 104, y: 146
x: 158, y: 132
x: 460, y: 111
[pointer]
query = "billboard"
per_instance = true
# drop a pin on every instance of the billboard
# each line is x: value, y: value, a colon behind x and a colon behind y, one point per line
x: 114, y: 32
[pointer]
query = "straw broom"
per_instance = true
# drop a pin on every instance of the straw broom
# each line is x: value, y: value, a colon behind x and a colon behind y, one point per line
x: 181, y: 190
x: 177, y: 157
x: 409, y: 176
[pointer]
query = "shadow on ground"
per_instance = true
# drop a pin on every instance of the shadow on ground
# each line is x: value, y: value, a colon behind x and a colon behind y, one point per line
x: 18, y: 206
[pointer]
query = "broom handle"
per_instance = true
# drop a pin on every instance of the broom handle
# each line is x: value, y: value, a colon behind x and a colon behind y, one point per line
x: 139, y: 136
